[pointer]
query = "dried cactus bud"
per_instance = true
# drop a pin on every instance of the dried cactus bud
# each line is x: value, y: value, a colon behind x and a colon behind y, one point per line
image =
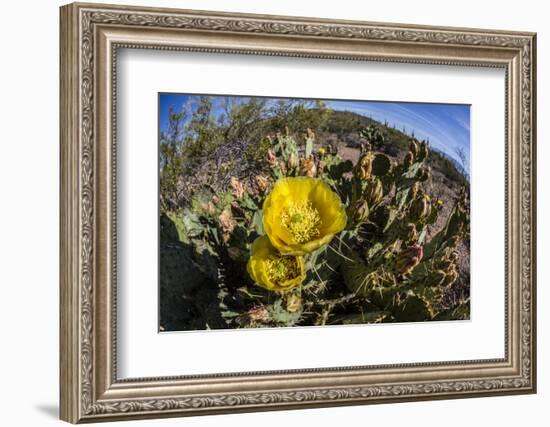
x: 258, y: 314
x: 450, y: 277
x: 237, y: 187
x: 282, y: 167
x: 423, y: 151
x: 381, y: 165
x: 360, y: 211
x: 227, y: 222
x: 374, y: 191
x: 363, y: 168
x: 413, y: 148
x: 293, y: 303
x: 409, y: 233
x: 420, y: 208
x: 293, y: 160
x: 408, y: 160
x: 409, y: 258
x: 271, y: 158
x: 414, y: 190
x: 445, y: 264
x: 320, y: 167
x: 263, y: 183
x: 436, y: 278
x: 308, y: 168
x: 453, y: 256
x: 453, y: 241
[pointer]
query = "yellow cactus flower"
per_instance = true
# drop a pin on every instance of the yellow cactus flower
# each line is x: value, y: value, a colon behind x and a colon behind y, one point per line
x: 301, y: 214
x: 322, y: 151
x: 273, y: 271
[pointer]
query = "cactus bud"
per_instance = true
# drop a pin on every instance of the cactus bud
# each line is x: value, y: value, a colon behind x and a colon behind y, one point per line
x: 381, y: 165
x: 271, y: 158
x: 453, y: 241
x: 308, y: 168
x: 445, y: 264
x: 263, y: 183
x: 413, y: 148
x: 409, y: 233
x: 320, y: 167
x: 423, y: 151
x: 363, y: 168
x: 227, y: 222
x: 450, y: 277
x: 420, y: 208
x: 360, y: 211
x: 409, y: 258
x: 374, y: 191
x: 453, y: 256
x: 293, y: 160
x: 293, y: 303
x: 237, y: 187
x: 408, y: 160
x: 258, y: 314
x: 414, y: 190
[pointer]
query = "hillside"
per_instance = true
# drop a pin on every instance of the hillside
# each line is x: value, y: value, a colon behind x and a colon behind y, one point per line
x: 343, y: 128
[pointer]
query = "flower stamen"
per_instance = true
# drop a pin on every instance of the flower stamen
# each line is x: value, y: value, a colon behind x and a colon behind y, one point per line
x: 281, y: 269
x: 302, y: 220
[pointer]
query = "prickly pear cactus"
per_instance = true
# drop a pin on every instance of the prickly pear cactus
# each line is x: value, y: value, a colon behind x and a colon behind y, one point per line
x: 391, y: 257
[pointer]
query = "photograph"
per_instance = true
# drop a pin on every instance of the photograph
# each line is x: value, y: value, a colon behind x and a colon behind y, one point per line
x: 344, y: 209
x: 279, y: 212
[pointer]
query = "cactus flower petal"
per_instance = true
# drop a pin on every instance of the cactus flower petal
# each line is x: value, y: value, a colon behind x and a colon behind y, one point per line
x: 273, y: 271
x: 302, y: 214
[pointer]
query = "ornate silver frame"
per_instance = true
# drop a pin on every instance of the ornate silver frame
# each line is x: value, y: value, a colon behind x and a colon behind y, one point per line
x: 90, y: 36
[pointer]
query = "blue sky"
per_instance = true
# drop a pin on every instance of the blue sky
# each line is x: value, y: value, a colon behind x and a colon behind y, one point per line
x: 446, y: 126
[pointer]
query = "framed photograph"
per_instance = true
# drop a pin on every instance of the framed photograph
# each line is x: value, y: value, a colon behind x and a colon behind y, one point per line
x: 266, y: 212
